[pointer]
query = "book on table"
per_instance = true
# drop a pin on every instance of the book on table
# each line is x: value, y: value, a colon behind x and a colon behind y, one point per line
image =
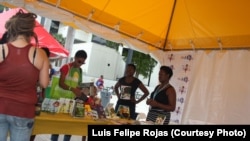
x: 78, y: 110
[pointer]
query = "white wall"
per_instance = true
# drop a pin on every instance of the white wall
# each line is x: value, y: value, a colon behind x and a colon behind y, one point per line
x: 79, y: 34
x: 82, y: 35
x: 101, y: 60
x: 104, y: 61
x: 100, y: 56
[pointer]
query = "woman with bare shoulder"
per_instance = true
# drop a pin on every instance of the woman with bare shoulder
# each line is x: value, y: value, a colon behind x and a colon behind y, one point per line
x: 22, y: 65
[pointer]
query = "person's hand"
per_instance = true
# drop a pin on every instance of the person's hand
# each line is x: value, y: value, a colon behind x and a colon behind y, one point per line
x: 77, y: 91
x: 133, y: 100
x: 118, y: 96
x: 148, y: 101
x: 152, y: 102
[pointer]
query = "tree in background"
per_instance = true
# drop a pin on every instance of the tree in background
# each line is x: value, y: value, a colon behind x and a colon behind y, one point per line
x: 113, y: 45
x: 59, y: 38
x: 144, y: 63
x: 2, y: 8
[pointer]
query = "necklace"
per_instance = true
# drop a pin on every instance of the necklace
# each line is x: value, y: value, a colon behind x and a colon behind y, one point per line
x: 157, y: 91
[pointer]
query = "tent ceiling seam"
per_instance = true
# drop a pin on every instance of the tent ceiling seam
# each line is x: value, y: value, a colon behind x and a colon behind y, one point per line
x: 232, y: 48
x: 189, y: 18
x: 77, y: 15
x: 58, y: 3
x: 169, y: 25
x: 168, y: 44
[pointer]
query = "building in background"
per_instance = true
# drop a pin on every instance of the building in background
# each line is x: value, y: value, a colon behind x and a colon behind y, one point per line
x: 101, y: 60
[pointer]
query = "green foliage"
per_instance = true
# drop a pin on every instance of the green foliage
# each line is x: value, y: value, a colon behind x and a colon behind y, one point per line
x: 105, y: 42
x: 144, y: 63
x: 1, y: 8
x: 59, y: 38
x: 113, y: 45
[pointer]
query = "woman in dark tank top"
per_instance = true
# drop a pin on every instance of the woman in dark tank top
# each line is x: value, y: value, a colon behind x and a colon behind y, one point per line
x: 163, y: 99
x: 21, y: 66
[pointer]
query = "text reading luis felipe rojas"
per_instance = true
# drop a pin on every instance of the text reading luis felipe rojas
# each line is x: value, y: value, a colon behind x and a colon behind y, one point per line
x: 171, y: 133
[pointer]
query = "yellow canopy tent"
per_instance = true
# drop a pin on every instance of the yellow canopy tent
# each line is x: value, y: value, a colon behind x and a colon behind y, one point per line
x: 154, y: 24
x: 217, y: 88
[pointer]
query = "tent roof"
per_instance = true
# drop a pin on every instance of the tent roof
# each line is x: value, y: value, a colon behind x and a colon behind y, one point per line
x: 154, y: 24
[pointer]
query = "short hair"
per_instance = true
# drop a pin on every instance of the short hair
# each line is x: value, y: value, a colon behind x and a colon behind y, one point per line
x: 81, y: 54
x: 132, y: 65
x: 46, y: 51
x: 167, y: 70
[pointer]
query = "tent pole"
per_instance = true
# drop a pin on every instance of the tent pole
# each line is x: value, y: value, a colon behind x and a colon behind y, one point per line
x: 69, y: 43
x: 129, y: 58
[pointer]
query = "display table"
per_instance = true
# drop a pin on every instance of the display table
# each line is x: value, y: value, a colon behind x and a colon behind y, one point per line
x: 48, y: 123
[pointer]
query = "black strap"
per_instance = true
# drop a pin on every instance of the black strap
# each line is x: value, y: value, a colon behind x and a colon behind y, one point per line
x: 80, y: 75
x: 34, y: 55
x: 3, y: 51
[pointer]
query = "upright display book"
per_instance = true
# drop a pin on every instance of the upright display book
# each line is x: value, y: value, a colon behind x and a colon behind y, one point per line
x: 110, y: 111
x: 65, y: 106
x: 98, y: 112
x: 160, y: 119
x: 62, y: 105
x: 123, y: 111
x: 78, y: 110
x: 87, y: 87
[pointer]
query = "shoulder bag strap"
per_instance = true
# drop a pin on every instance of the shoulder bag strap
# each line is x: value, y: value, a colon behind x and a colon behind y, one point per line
x: 34, y: 55
x: 3, y: 52
x: 80, y: 78
x: 69, y: 67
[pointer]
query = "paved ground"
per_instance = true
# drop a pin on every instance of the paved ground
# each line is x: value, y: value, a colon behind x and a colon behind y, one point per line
x: 46, y: 137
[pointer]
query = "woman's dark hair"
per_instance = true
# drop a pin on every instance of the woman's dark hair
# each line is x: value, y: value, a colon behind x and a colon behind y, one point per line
x: 132, y: 65
x: 167, y: 70
x: 4, y: 38
x: 21, y: 24
x: 46, y: 51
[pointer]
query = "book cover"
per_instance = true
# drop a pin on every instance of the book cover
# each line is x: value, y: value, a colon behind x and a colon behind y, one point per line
x: 123, y: 111
x: 100, y: 112
x: 94, y: 114
x: 50, y: 105
x: 54, y: 105
x: 78, y: 110
x: 64, y: 105
x: 46, y: 105
x: 110, y: 111
x: 70, y: 107
x: 87, y: 88
x: 160, y: 119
